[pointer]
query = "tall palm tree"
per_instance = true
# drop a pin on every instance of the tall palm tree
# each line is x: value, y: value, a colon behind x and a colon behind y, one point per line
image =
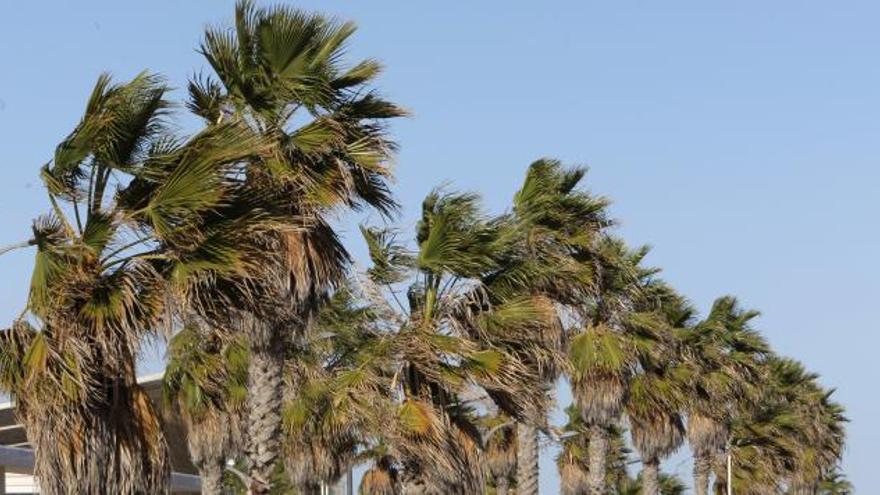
x: 791, y: 438
x: 553, y: 223
x: 655, y: 399
x: 605, y: 354
x: 205, y: 382
x: 724, y: 355
x: 442, y: 357
x: 131, y: 205
x: 278, y: 67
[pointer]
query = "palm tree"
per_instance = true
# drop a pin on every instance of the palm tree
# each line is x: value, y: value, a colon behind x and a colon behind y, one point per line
x: 604, y: 355
x: 655, y: 398
x: 442, y: 360
x: 791, y: 438
x: 102, y: 282
x: 278, y: 67
x: 723, y: 354
x: 205, y: 382
x: 554, y: 224
x: 574, y: 460
x: 327, y: 427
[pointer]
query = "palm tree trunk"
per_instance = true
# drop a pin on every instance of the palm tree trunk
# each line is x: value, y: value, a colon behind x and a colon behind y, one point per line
x: 212, y: 478
x: 597, y: 453
x: 651, y: 477
x: 526, y: 459
x: 702, y: 467
x: 264, y: 405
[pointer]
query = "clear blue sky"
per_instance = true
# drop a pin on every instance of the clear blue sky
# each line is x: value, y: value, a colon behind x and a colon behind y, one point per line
x: 738, y: 138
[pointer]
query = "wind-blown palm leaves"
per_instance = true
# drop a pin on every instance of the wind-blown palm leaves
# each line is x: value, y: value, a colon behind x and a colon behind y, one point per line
x: 280, y: 66
x: 724, y: 355
x: 604, y: 356
x: 205, y: 384
x: 835, y: 483
x: 447, y: 346
x: 336, y: 393
x: 225, y: 237
x: 141, y: 203
x: 790, y: 439
x: 655, y: 400
x: 553, y: 226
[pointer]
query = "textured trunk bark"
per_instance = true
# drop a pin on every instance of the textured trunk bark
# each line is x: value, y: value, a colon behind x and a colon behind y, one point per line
x: 264, y: 406
x: 597, y: 453
x: 526, y: 459
x: 212, y: 478
x: 651, y: 477
x: 702, y: 467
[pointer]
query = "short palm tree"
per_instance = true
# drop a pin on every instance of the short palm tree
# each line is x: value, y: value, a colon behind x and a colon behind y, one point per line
x: 131, y: 205
x: 277, y: 68
x: 334, y: 401
x: 574, y: 461
x: 205, y: 383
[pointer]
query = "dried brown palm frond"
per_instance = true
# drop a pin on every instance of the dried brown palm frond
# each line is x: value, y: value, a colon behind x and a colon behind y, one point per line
x: 85, y: 417
x: 109, y: 271
x: 437, y: 455
x: 381, y: 478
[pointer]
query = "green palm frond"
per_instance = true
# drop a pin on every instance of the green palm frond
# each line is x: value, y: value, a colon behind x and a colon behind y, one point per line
x: 391, y: 261
x: 453, y: 237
